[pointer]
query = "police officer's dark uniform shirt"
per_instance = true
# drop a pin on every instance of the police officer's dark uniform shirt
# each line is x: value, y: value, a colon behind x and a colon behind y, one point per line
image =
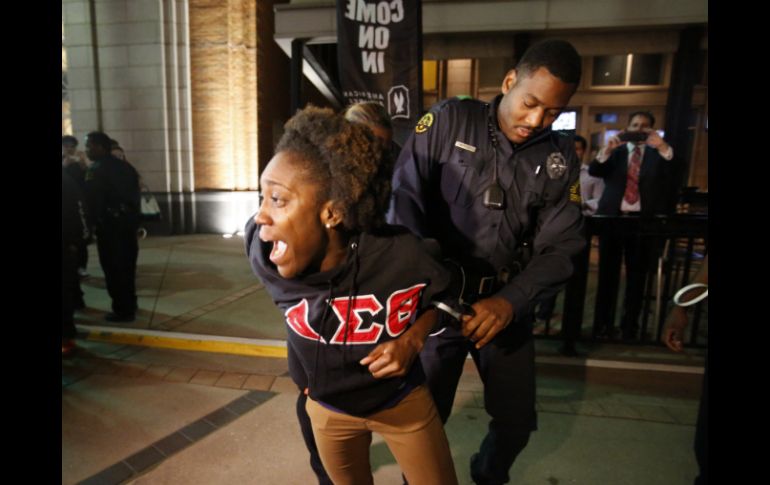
x: 112, y: 189
x: 389, y: 279
x: 438, y: 186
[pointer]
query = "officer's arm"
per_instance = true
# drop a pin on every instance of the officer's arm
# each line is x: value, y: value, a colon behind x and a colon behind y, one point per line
x: 411, y: 177
x: 559, y: 237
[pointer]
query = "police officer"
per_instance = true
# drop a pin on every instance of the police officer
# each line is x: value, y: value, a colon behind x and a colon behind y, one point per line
x: 112, y: 190
x: 500, y: 192
x: 75, y: 163
x: 74, y: 233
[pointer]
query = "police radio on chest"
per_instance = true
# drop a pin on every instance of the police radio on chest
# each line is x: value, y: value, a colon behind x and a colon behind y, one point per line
x: 494, y: 195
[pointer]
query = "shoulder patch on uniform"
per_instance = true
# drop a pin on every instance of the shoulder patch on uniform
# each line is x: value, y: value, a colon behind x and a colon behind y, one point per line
x: 556, y: 165
x: 574, y: 192
x: 424, y: 123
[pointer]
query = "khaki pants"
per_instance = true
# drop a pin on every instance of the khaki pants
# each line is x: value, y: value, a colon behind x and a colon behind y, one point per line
x: 412, y: 430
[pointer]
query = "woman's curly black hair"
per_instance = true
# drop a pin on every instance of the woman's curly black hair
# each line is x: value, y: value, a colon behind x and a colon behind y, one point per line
x: 352, y: 167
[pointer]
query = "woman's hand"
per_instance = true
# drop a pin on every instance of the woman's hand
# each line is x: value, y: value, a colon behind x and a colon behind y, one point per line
x: 393, y: 358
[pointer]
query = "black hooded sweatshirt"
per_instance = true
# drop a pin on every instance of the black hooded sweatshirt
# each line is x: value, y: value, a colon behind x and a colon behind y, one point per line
x: 385, y: 282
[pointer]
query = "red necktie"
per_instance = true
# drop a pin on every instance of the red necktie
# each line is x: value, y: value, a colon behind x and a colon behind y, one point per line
x: 632, y: 180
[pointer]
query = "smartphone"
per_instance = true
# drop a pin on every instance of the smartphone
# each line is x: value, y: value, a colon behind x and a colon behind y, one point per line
x: 633, y: 136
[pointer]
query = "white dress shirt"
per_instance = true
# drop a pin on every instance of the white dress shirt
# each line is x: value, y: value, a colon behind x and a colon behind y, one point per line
x: 604, y: 154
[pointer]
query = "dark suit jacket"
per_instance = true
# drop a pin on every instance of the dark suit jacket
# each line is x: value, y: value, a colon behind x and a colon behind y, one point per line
x: 658, y: 182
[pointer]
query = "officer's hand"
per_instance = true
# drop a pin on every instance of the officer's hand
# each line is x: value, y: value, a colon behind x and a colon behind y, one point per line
x: 491, y: 316
x: 393, y: 358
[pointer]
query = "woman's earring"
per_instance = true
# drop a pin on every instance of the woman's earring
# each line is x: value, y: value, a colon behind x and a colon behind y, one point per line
x: 328, y: 226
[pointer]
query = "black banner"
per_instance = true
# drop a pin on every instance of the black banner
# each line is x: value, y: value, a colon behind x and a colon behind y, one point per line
x: 379, y: 52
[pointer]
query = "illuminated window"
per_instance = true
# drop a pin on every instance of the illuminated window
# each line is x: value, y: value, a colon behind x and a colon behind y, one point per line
x: 430, y: 83
x: 609, y: 70
x: 429, y: 76
x: 567, y: 121
x: 628, y: 70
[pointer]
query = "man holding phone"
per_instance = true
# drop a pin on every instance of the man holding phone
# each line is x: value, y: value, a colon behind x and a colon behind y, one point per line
x: 639, y: 173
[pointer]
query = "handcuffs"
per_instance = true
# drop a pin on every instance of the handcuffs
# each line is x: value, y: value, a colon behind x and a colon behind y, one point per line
x: 678, y: 295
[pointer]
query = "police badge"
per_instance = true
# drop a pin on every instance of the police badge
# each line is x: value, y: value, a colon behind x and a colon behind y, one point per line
x: 556, y: 165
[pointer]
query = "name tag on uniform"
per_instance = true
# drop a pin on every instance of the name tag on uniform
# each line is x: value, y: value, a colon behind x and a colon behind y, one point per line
x: 465, y: 146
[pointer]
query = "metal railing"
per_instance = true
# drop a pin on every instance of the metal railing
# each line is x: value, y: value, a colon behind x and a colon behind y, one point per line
x: 682, y: 243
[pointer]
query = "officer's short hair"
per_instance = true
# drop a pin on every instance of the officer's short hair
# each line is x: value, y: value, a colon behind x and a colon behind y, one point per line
x: 99, y: 138
x: 582, y: 141
x: 558, y: 56
x: 646, y: 114
x: 69, y: 140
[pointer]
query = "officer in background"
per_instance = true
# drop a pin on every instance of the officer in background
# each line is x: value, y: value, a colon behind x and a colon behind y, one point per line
x: 494, y: 185
x: 76, y: 165
x: 112, y: 191
x: 74, y: 233
x: 674, y: 336
x: 376, y: 117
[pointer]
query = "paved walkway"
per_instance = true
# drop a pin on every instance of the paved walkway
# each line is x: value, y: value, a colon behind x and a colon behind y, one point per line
x: 196, y: 392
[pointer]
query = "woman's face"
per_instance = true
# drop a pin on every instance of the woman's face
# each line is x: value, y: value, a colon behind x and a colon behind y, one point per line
x: 291, y: 216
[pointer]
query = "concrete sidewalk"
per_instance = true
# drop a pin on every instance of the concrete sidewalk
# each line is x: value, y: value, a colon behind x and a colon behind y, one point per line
x: 138, y: 413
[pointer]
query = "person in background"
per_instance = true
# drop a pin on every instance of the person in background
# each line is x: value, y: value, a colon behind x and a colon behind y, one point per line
x: 74, y: 232
x: 590, y: 191
x: 74, y: 161
x: 376, y: 118
x: 640, y: 179
x: 117, y: 151
x: 591, y: 187
x: 112, y: 192
x: 673, y: 338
